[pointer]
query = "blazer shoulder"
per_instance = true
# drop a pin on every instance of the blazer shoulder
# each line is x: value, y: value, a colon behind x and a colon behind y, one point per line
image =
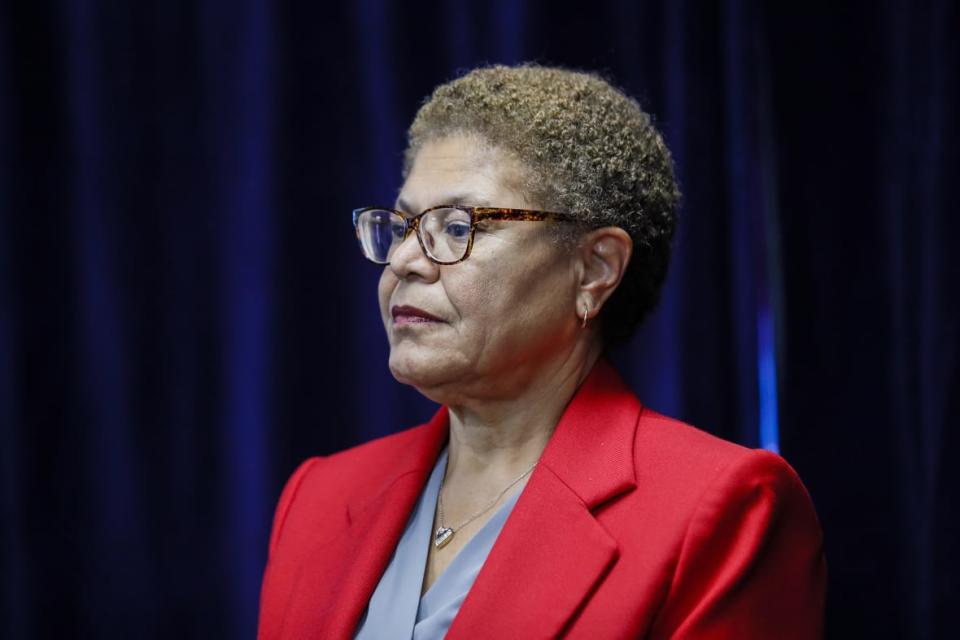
x: 382, y: 448
x: 324, y: 485
x: 363, y: 464
x: 662, y: 436
x: 752, y: 543
x: 687, y: 461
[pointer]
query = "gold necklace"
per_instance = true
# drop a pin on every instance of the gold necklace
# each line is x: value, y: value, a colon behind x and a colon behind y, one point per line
x: 444, y: 534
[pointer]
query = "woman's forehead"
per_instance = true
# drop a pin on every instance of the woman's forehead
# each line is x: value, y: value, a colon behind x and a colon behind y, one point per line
x: 461, y: 170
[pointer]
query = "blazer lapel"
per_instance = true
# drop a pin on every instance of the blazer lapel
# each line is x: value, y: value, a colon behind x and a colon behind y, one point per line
x: 343, y: 573
x: 548, y: 558
x: 552, y: 552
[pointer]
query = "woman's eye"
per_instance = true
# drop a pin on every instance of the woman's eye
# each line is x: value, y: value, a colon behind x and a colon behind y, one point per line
x: 458, y: 230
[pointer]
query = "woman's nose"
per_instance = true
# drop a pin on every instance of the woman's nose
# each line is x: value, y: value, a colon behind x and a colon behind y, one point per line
x: 408, y: 260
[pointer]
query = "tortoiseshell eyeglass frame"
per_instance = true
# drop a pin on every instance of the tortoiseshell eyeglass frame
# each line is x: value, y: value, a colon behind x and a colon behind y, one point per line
x: 477, y: 215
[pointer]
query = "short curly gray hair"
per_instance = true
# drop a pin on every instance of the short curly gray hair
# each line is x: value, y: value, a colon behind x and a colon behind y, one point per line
x: 590, y: 150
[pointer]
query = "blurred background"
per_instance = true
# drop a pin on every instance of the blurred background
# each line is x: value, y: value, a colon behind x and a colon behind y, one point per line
x: 185, y: 316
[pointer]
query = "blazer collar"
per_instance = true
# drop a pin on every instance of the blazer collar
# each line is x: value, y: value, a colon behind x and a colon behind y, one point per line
x: 418, y: 460
x: 587, y: 462
x: 337, y: 576
x: 591, y: 450
x: 552, y: 552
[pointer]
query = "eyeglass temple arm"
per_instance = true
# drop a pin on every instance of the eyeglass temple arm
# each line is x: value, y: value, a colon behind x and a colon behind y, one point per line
x: 497, y: 213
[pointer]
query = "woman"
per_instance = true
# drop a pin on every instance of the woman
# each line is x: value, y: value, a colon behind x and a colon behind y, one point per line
x: 532, y: 232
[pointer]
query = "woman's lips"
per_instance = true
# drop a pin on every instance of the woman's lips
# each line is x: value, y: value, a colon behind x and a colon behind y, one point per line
x: 405, y: 314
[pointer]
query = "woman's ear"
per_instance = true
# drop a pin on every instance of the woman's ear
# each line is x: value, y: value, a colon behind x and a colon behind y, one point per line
x: 604, y: 255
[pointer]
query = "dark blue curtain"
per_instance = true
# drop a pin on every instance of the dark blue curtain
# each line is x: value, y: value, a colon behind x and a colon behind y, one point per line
x: 184, y: 315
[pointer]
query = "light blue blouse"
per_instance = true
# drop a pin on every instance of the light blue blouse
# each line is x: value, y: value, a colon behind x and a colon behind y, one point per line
x: 396, y: 609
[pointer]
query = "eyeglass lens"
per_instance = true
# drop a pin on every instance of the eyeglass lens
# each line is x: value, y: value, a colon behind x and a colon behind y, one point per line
x: 444, y: 232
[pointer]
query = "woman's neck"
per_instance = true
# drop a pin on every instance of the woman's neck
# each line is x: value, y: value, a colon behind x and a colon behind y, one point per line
x: 500, y: 438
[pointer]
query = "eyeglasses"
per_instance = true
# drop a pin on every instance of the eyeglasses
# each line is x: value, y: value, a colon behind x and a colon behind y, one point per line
x: 445, y: 232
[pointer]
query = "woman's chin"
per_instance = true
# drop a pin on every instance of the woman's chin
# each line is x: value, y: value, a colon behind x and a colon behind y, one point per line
x: 421, y: 368
x: 412, y: 368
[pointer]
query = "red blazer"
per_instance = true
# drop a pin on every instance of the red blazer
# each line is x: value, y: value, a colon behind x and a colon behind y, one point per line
x: 632, y: 525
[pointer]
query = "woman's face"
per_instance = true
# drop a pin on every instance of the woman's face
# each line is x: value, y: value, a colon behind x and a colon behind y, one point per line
x: 499, y: 316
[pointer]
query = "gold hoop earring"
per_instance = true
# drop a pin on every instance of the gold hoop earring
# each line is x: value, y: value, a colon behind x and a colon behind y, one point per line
x: 583, y: 325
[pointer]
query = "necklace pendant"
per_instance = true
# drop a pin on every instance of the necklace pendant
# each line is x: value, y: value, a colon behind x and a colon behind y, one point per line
x: 442, y: 537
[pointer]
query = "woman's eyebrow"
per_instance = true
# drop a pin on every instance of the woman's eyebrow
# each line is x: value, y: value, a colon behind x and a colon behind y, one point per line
x: 462, y: 199
x: 467, y: 199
